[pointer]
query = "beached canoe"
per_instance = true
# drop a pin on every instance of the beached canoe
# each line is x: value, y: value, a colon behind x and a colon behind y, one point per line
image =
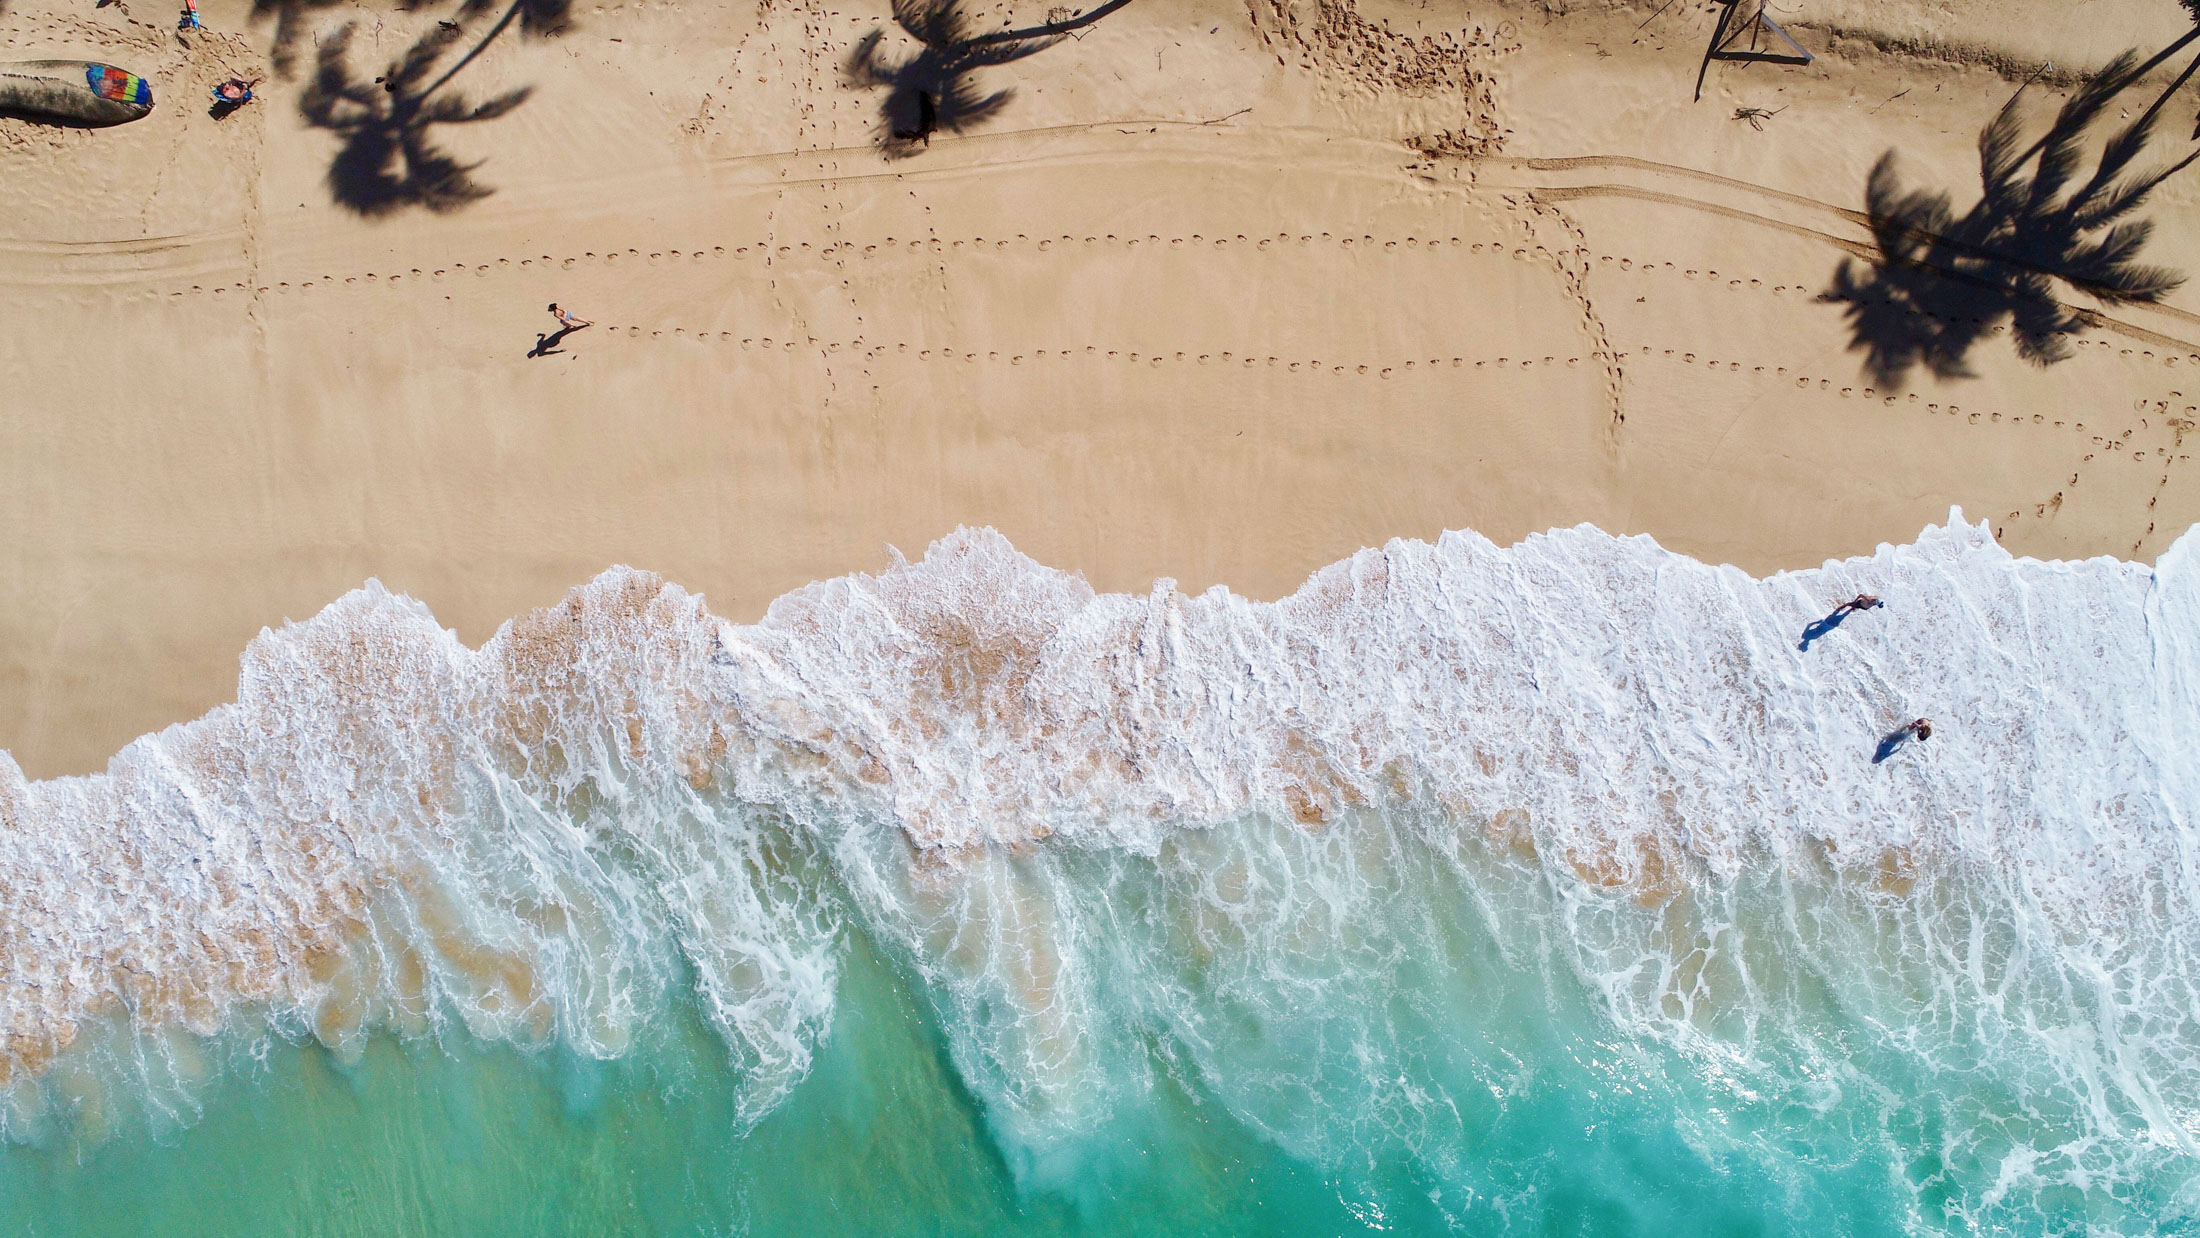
x: 79, y: 91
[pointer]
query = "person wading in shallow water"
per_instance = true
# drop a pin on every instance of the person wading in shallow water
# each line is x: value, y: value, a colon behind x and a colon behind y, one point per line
x: 1922, y: 730
x: 1861, y: 602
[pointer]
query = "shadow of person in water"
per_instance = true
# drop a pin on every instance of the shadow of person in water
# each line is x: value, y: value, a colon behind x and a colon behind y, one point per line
x: 1921, y: 729
x: 935, y: 89
x: 387, y: 160
x: 1822, y: 629
x: 1941, y: 282
x: 1825, y: 626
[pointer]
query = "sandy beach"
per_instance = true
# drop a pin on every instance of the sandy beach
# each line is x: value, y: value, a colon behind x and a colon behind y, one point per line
x: 1218, y: 292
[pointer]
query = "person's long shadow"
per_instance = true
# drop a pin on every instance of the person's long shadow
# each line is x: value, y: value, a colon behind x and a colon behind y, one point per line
x: 935, y: 89
x: 1892, y: 742
x: 387, y: 160
x: 1940, y: 282
x: 1824, y: 627
x: 547, y: 345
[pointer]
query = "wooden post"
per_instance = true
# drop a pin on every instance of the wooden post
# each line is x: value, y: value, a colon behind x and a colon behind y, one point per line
x: 1718, y: 37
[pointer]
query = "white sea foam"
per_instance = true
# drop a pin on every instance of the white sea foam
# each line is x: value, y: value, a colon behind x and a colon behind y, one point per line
x: 1088, y: 818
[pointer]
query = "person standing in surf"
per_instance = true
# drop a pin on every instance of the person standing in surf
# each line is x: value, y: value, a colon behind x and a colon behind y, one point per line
x: 1862, y: 601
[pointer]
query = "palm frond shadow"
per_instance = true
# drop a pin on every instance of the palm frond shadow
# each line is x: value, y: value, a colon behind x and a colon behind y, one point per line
x: 294, y: 21
x: 1941, y: 281
x: 935, y: 89
x: 388, y: 160
x: 293, y: 26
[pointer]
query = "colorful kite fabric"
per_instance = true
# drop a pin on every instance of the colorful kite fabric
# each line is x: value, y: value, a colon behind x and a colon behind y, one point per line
x: 120, y: 85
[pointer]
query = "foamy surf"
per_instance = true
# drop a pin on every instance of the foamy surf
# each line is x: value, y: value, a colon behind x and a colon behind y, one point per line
x: 1369, y: 866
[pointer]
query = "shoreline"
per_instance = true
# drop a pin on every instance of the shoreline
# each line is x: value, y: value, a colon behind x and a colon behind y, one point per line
x: 1954, y: 529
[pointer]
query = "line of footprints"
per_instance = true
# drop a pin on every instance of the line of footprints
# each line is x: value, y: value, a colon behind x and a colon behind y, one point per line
x: 2169, y: 406
x: 1129, y: 356
x: 842, y: 251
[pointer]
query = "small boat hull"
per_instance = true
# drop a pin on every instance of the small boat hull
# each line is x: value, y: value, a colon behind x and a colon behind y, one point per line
x: 79, y: 92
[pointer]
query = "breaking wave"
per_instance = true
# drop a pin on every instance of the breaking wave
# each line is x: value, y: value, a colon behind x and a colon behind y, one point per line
x: 1453, y: 833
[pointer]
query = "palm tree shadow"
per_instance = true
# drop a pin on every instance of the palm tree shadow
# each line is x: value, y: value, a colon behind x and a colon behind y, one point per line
x: 934, y: 89
x: 293, y: 22
x: 1941, y: 282
x: 388, y: 159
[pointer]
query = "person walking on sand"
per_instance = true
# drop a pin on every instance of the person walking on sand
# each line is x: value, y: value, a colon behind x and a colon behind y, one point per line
x: 566, y: 320
x: 1921, y: 729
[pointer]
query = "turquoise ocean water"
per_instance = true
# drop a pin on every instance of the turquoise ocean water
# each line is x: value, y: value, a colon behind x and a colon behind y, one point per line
x: 1533, y: 890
